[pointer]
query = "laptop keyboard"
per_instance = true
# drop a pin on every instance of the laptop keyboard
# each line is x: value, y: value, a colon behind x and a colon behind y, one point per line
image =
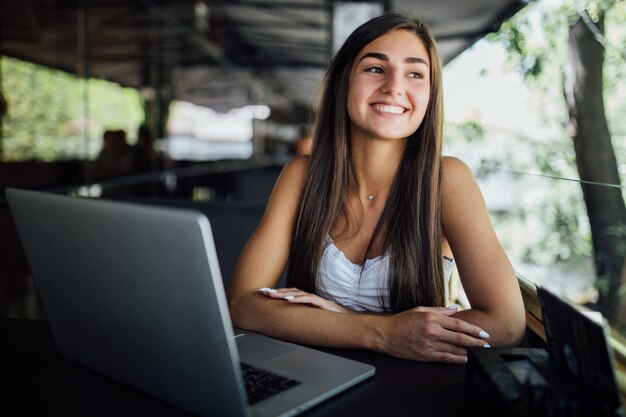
x: 262, y: 384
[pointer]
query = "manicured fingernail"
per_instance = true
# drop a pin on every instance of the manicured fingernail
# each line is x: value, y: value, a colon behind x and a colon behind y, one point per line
x: 289, y: 297
x: 486, y: 345
x: 454, y: 307
x: 465, y: 359
x: 483, y: 334
x: 268, y: 290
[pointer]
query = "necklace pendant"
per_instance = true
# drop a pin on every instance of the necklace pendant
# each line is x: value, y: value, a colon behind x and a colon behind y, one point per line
x: 371, y: 197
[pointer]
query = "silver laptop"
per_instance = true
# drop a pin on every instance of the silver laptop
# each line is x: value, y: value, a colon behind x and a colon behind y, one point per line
x: 134, y: 292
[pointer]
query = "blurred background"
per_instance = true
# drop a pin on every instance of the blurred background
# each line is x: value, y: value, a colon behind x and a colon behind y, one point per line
x: 198, y: 102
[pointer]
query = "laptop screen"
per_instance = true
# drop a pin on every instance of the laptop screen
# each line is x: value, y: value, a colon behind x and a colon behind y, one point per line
x: 578, y: 346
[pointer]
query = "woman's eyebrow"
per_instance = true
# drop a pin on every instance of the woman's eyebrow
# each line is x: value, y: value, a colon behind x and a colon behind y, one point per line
x: 376, y: 55
x: 383, y: 57
x: 416, y: 60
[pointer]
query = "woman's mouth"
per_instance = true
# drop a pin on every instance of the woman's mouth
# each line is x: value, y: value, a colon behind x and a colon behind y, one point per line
x: 387, y: 108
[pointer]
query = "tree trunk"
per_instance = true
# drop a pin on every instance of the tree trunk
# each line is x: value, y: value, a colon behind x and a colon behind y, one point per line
x: 595, y: 159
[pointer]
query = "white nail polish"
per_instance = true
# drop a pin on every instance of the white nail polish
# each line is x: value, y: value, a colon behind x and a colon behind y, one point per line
x: 483, y: 334
x: 465, y: 359
x: 454, y: 307
x: 486, y: 345
x: 289, y: 297
x: 264, y: 289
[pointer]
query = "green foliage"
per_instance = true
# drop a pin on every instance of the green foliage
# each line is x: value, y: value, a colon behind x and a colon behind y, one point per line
x: 619, y: 231
x: 536, y: 44
x: 466, y: 131
x: 569, y: 233
x: 556, y: 158
x: 513, y: 38
x: 47, y: 118
x: 614, y: 75
x: 535, y: 40
x: 39, y: 109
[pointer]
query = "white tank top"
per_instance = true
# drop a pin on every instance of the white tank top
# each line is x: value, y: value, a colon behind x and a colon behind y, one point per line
x: 360, y: 288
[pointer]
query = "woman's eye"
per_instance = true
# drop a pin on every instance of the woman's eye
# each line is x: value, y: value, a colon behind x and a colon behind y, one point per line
x: 416, y: 74
x: 375, y: 69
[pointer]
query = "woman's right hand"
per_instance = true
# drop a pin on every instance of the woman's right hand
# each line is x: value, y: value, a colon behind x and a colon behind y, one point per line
x: 431, y: 334
x: 297, y: 296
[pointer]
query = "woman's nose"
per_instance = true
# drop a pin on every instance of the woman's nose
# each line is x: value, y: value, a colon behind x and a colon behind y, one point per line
x: 394, y: 84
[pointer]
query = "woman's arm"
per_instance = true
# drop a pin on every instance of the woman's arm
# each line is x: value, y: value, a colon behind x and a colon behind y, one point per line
x: 260, y: 265
x: 486, y: 273
x: 428, y: 334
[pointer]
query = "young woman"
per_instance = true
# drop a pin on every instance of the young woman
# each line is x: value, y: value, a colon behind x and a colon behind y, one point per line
x: 372, y: 222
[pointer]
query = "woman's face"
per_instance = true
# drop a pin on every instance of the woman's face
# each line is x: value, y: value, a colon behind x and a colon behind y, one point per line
x: 389, y: 87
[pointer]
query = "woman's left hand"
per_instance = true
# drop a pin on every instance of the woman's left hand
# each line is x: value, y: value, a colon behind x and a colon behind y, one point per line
x: 296, y: 296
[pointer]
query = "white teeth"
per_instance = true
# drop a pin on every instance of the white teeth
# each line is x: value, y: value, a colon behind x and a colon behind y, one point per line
x: 388, y: 109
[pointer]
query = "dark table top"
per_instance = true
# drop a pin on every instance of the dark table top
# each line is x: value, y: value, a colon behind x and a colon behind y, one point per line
x: 36, y: 381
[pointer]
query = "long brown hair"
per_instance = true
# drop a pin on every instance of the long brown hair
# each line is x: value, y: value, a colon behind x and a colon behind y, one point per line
x: 410, y: 224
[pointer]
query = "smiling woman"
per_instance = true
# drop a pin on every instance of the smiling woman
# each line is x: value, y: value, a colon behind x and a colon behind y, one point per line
x: 394, y: 85
x: 375, y: 219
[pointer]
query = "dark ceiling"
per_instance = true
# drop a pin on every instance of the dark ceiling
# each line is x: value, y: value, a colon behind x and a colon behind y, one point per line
x: 219, y: 53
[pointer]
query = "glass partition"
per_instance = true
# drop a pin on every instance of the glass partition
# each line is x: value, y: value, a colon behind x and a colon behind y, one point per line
x: 518, y: 134
x: 86, y: 97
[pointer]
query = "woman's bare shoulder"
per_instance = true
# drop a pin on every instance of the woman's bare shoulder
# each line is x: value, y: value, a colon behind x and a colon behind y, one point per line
x: 297, y: 165
x: 293, y: 174
x: 456, y: 173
